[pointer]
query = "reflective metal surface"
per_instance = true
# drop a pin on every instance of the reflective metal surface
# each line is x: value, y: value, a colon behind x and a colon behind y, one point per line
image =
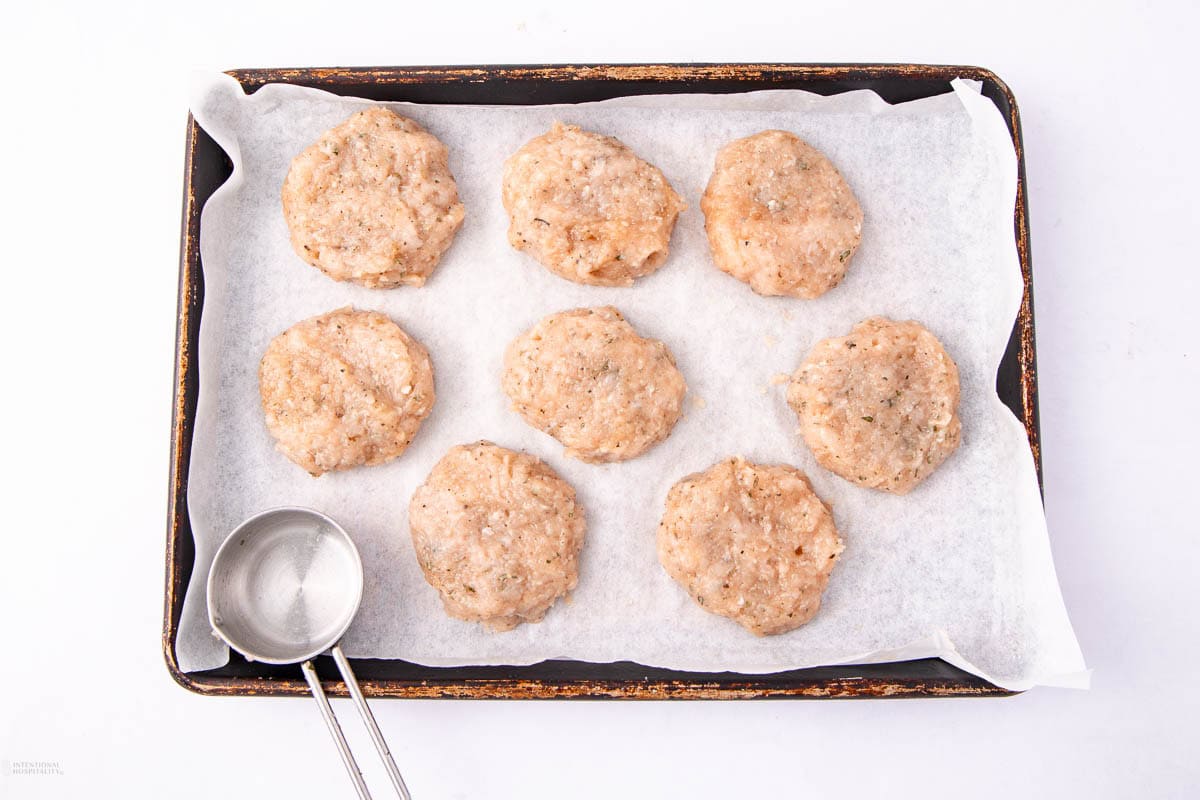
x: 284, y: 586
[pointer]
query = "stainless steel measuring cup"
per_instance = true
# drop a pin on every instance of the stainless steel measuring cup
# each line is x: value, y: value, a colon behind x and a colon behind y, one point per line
x: 283, y: 588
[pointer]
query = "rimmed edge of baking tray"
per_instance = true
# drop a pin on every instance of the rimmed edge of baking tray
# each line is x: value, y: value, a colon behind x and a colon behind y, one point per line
x: 1016, y: 382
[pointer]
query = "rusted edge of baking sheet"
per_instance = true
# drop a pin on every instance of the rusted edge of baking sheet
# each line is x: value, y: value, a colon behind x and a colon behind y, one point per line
x: 735, y: 686
x: 187, y: 312
x: 252, y: 79
x: 744, y: 687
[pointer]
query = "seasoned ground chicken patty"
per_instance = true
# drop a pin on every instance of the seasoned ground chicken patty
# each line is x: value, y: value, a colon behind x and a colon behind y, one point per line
x: 880, y: 406
x: 588, y: 208
x: 498, y: 534
x: 780, y: 217
x: 373, y: 201
x: 751, y: 542
x: 589, y: 380
x: 344, y: 389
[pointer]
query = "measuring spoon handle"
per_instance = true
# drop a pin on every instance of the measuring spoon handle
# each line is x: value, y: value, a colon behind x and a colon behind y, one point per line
x: 335, y: 730
x: 369, y: 720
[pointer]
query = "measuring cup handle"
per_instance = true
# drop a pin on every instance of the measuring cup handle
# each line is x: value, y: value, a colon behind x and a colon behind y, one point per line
x: 369, y: 720
x: 335, y: 730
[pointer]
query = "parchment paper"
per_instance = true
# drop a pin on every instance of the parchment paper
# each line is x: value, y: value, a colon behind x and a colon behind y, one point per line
x: 960, y: 568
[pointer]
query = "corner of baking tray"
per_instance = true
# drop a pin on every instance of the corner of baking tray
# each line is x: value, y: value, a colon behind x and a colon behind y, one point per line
x: 988, y: 77
x: 178, y: 675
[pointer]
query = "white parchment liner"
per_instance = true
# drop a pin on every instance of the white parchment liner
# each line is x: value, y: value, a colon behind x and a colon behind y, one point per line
x: 960, y: 568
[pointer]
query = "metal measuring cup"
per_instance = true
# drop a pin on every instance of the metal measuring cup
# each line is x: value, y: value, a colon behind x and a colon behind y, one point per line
x: 283, y: 588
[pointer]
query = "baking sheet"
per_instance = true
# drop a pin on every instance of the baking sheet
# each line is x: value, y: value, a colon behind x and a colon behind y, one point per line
x: 959, y: 569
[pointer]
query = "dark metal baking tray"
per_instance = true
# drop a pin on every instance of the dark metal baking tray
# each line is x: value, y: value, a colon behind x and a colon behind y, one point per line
x: 206, y: 167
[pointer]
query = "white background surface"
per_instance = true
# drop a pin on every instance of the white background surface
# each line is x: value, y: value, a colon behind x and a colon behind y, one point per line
x: 91, y: 142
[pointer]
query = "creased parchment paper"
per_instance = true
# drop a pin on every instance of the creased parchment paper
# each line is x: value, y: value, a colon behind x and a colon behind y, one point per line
x: 960, y: 568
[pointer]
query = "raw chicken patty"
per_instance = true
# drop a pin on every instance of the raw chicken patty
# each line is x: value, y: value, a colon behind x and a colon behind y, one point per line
x: 498, y: 534
x: 880, y: 406
x: 588, y: 208
x: 589, y: 380
x: 373, y: 201
x: 751, y: 542
x: 780, y: 217
x: 344, y: 389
